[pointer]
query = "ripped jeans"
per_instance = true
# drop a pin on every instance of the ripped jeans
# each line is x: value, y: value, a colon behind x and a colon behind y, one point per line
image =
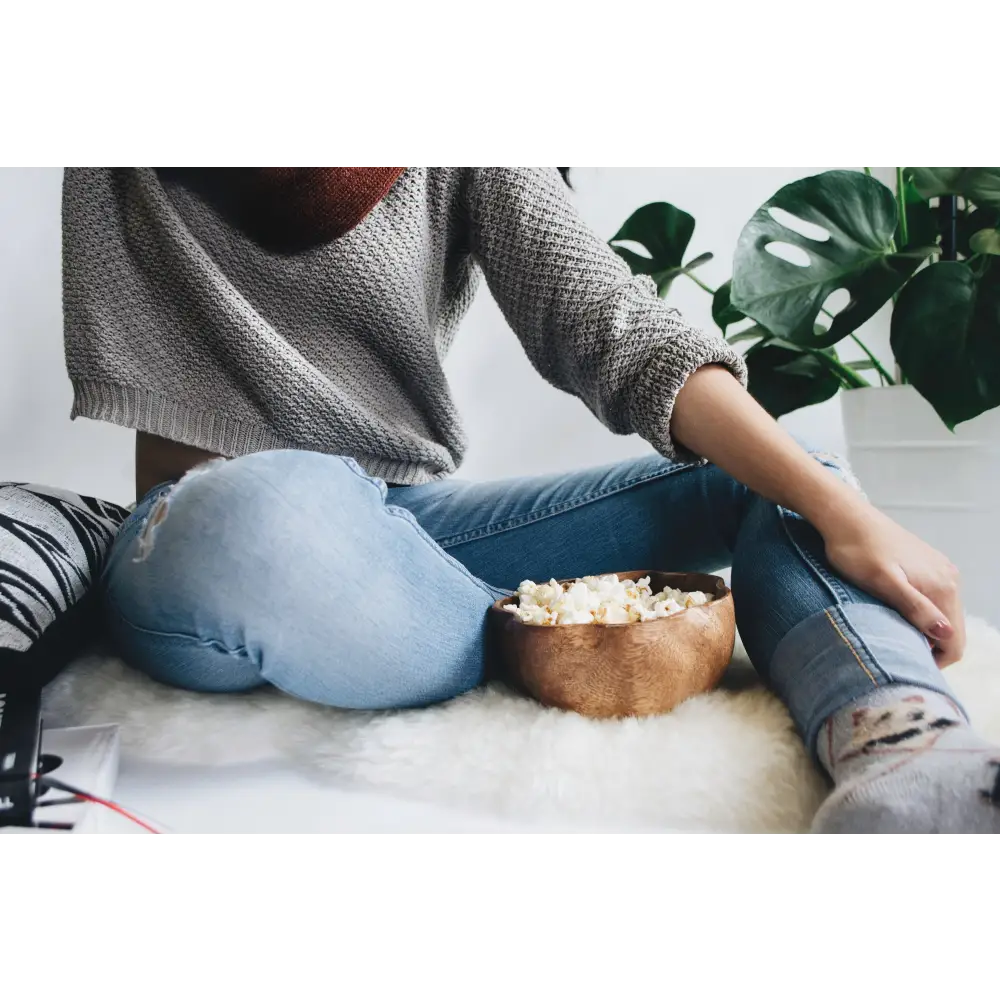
x: 296, y: 569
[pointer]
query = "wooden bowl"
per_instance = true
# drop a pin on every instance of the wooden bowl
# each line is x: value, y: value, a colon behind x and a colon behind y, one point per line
x: 604, y: 671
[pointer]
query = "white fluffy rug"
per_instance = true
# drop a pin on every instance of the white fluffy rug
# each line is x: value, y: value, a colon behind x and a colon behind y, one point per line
x: 727, y: 761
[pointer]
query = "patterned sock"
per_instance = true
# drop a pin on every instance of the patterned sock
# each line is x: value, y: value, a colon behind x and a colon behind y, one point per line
x: 904, y: 760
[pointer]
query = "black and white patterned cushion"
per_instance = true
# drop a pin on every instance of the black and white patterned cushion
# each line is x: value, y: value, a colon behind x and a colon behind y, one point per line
x: 53, y: 544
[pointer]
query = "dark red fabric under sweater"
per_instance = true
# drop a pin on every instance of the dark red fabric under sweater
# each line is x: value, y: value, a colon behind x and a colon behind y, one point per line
x: 289, y: 208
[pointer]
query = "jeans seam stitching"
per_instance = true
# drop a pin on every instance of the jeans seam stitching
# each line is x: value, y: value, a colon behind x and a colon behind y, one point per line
x: 552, y: 510
x: 240, y: 651
x: 850, y: 646
x: 837, y: 592
x: 839, y: 595
x: 859, y: 642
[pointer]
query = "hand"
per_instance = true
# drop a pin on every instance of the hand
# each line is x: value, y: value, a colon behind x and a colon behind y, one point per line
x: 715, y: 417
x: 876, y: 554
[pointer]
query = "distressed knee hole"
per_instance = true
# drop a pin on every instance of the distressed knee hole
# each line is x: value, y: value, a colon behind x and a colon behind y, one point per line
x: 146, y: 541
x: 840, y: 466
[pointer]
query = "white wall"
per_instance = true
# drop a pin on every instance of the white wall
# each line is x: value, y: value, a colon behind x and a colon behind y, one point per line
x: 38, y: 443
x: 491, y: 376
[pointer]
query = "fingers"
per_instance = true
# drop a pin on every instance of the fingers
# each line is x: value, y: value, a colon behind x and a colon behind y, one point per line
x: 937, y: 613
x: 936, y: 609
x: 918, y: 609
x: 947, y: 596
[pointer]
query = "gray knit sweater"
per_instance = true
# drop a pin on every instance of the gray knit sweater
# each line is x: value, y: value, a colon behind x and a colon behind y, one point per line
x: 178, y: 324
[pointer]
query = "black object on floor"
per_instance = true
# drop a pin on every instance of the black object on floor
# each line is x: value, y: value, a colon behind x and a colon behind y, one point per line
x: 20, y: 744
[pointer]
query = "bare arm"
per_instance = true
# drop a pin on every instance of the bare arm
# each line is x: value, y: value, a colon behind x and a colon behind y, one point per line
x: 593, y: 329
x: 714, y: 416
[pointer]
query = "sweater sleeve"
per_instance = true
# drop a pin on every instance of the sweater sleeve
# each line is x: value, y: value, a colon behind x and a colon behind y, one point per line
x: 587, y: 324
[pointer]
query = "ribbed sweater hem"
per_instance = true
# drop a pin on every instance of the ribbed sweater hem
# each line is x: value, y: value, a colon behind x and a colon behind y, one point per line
x: 143, y: 410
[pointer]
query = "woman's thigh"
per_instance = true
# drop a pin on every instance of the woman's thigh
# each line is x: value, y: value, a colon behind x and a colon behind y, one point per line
x: 290, y: 568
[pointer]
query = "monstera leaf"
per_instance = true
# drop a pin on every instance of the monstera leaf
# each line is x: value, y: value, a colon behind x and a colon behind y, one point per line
x: 784, y: 378
x: 981, y: 185
x: 723, y: 311
x: 752, y: 333
x: 946, y: 337
x: 664, y: 232
x: 859, y: 214
x: 985, y: 241
x: 968, y: 225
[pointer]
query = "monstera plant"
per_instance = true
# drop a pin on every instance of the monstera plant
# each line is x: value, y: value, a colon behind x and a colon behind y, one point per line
x: 824, y: 254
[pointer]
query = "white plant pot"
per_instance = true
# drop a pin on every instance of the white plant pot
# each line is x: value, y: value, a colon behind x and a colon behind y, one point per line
x: 944, y: 487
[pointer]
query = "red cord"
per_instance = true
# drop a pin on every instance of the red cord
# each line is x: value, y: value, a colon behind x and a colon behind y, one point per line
x: 87, y: 797
x: 116, y: 808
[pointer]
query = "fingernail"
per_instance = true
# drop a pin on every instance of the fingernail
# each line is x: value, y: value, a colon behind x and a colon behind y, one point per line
x: 940, y: 630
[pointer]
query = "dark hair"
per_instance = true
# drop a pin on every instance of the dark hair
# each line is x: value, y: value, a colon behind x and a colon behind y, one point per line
x: 565, y: 175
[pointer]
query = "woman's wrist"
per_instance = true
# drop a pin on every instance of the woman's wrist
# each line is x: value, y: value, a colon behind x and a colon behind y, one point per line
x: 716, y: 417
x: 827, y: 502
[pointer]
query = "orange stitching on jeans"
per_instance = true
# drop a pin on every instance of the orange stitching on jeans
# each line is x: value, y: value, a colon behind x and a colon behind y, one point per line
x: 847, y: 643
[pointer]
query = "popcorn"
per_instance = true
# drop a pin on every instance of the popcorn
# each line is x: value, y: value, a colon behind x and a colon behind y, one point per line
x: 602, y: 600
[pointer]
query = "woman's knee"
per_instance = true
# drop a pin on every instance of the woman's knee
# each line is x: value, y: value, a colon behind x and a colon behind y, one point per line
x: 224, y: 531
x: 829, y: 459
x: 836, y: 463
x: 293, y: 563
x: 258, y: 492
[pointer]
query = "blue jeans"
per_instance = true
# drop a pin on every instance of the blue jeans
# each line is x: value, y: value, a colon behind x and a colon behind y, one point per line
x: 296, y: 569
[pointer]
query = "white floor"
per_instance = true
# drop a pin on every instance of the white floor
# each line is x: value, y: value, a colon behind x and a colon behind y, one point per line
x: 486, y: 762
x: 271, y: 798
